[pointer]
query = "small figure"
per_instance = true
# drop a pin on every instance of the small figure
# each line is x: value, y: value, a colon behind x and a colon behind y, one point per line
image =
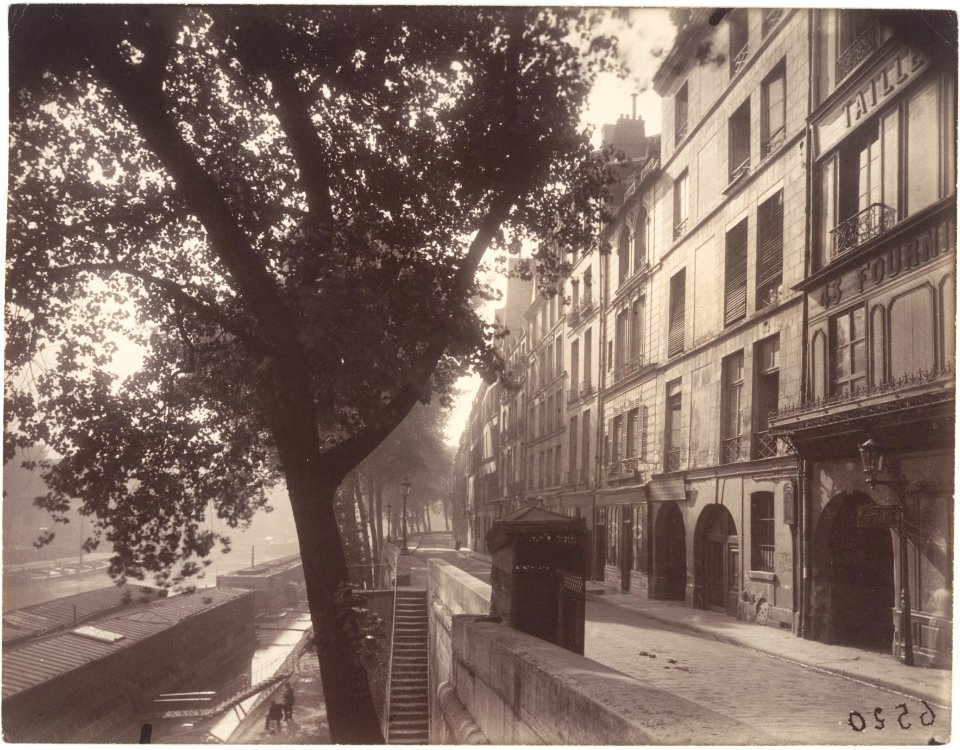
x: 274, y: 714
x: 288, y: 702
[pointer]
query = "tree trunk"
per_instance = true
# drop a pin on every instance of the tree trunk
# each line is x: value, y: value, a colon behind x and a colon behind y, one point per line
x: 368, y: 552
x: 349, y: 703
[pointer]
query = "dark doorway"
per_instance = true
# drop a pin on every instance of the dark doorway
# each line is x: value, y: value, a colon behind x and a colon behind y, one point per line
x: 670, y: 554
x: 717, y: 548
x: 861, y: 579
x: 626, y: 547
x: 600, y: 545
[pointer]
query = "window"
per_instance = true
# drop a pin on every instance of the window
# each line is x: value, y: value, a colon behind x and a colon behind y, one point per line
x: 587, y: 365
x: 770, y: 251
x: 636, y: 326
x: 671, y: 461
x: 774, y: 123
x: 735, y: 275
x: 613, y: 535
x: 771, y: 17
x: 620, y: 350
x: 680, y: 205
x: 633, y: 422
x: 556, y: 466
x: 848, y: 343
x: 549, y: 363
x: 616, y: 438
x: 585, y: 447
x: 739, y: 49
x: 549, y: 470
x: 623, y: 254
x: 542, y: 473
x: 761, y: 531
x: 559, y: 350
x: 575, y: 294
x: 530, y: 472
x: 574, y: 369
x: 680, y: 114
x: 738, y: 130
x: 912, y: 332
x: 572, y: 451
x: 640, y: 240
x: 639, y: 557
x: 767, y: 390
x: 587, y: 289
x: 677, y: 310
x: 731, y: 407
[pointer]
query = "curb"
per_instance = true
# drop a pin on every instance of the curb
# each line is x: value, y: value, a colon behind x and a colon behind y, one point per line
x: 878, y: 682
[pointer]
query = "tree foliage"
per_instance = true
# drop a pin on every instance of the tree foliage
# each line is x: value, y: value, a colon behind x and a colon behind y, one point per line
x: 283, y: 210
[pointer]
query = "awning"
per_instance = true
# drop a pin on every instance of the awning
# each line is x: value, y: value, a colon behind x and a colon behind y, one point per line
x: 623, y: 495
x: 666, y: 489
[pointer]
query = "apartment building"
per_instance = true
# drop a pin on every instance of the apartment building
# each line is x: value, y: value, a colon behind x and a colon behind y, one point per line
x: 880, y: 332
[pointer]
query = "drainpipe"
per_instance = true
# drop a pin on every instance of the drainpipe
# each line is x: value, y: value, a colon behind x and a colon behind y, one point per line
x: 601, y: 385
x: 803, y: 469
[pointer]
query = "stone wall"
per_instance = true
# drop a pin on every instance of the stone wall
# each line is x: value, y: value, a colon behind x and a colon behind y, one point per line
x: 523, y: 690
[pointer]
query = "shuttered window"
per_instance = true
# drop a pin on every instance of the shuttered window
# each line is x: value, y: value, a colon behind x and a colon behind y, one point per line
x: 735, y: 283
x: 770, y: 251
x: 639, y: 240
x: 678, y: 288
x: 623, y: 254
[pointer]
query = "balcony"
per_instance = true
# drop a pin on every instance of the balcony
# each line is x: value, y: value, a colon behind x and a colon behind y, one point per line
x: 860, y: 48
x: 613, y: 470
x: 679, y: 229
x: 770, y: 19
x: 573, y: 316
x: 765, y: 445
x: 739, y: 60
x: 630, y: 469
x: 871, y: 222
x: 586, y: 388
x: 774, y: 142
x: 628, y: 368
x: 730, y: 450
x: 682, y: 131
x: 671, y: 460
x: 586, y: 305
x: 741, y: 170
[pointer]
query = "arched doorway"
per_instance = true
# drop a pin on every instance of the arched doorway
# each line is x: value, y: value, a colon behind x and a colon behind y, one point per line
x: 854, y: 577
x: 716, y: 551
x: 670, y: 554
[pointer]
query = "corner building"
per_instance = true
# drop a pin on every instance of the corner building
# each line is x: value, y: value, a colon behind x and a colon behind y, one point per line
x: 880, y: 290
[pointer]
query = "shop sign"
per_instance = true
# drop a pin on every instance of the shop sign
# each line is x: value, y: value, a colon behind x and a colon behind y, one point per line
x: 790, y: 503
x: 925, y: 245
x: 878, y: 516
x: 892, y: 75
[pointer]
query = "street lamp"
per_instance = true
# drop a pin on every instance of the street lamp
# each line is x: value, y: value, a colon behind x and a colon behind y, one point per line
x: 872, y: 459
x: 404, y: 491
x: 389, y: 519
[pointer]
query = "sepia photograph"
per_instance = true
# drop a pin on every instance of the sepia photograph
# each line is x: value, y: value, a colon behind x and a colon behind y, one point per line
x: 479, y: 375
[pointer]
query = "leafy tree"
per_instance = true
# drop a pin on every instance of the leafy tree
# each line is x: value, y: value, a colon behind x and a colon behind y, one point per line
x: 284, y: 209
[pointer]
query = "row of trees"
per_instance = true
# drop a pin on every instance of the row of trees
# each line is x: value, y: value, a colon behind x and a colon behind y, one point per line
x: 284, y: 210
x: 369, y: 503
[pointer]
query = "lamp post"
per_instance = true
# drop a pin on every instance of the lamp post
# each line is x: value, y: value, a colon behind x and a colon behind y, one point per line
x: 404, y: 491
x: 389, y: 520
x: 872, y: 459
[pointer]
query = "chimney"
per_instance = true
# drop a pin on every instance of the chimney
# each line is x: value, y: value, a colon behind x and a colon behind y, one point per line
x: 634, y: 97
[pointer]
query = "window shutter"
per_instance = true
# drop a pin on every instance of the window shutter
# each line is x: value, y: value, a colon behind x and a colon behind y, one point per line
x: 770, y: 242
x: 735, y: 284
x: 642, y: 433
x: 677, y: 308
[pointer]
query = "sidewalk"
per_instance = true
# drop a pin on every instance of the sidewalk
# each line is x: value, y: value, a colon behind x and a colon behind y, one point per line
x: 871, y: 668
x: 309, y: 723
x: 868, y: 667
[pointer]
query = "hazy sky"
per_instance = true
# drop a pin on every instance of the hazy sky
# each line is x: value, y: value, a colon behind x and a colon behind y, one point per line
x: 643, y: 37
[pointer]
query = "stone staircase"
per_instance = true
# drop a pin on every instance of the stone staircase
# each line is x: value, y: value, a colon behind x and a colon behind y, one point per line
x: 408, y: 722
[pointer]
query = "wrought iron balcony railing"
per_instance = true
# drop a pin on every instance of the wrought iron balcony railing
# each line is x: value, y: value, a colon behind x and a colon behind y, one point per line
x: 859, y: 48
x: 764, y: 445
x: 586, y: 304
x: 671, y: 460
x: 573, y: 315
x: 740, y: 60
x: 628, y: 368
x: 741, y: 170
x: 682, y: 130
x: 586, y: 388
x: 871, y: 222
x: 730, y: 450
x: 630, y: 467
x: 770, y: 19
x: 613, y: 469
x: 679, y: 228
x: 774, y: 142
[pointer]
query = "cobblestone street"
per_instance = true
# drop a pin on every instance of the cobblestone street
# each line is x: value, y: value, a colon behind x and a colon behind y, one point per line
x: 796, y: 704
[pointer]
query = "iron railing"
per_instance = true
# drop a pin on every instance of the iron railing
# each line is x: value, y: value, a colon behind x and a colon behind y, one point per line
x: 730, y: 450
x: 628, y: 368
x: 770, y: 19
x: 613, y: 469
x: 775, y: 141
x: 740, y: 60
x: 671, y: 460
x: 586, y: 388
x: 679, y: 228
x: 859, y: 48
x: 742, y: 170
x: 586, y: 304
x: 871, y: 222
x: 682, y: 130
x: 764, y: 445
